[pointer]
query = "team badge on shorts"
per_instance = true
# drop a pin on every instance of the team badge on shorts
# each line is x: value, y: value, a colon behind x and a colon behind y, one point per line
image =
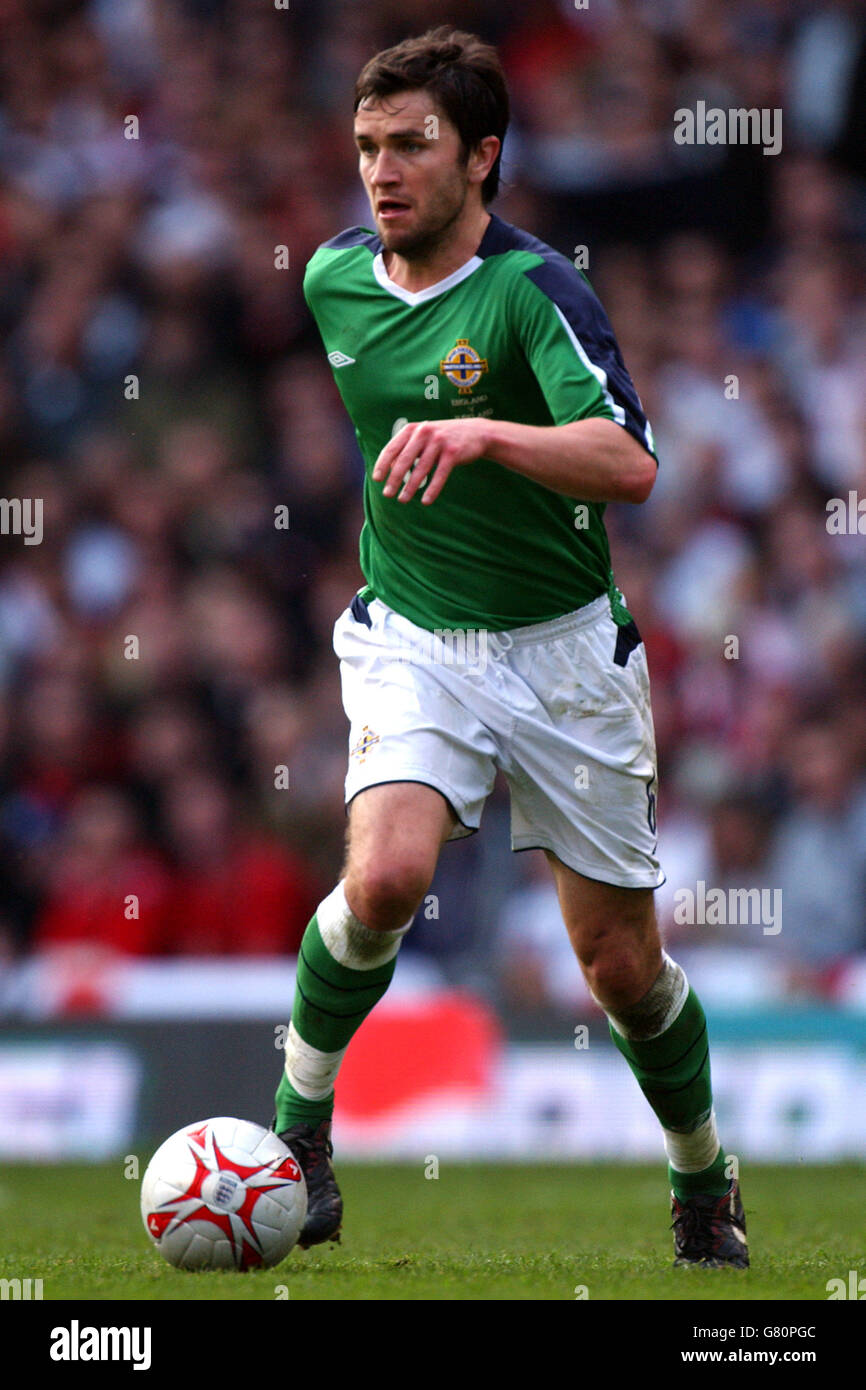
x: 463, y: 366
x: 364, y: 744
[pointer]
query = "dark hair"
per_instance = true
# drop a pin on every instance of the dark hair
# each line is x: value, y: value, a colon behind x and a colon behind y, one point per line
x: 462, y: 73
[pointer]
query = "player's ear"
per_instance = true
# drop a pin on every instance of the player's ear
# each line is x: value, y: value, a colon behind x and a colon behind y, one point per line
x: 482, y: 158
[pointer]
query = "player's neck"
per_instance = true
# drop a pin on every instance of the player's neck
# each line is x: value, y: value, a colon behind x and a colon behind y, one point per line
x: 419, y: 273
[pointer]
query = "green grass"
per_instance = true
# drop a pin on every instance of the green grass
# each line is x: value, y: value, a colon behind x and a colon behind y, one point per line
x: 478, y: 1232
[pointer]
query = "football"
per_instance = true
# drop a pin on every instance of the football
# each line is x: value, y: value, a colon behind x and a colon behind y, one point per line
x: 223, y: 1194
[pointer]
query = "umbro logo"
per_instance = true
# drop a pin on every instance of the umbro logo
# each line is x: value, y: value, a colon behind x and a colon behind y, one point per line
x: 339, y: 359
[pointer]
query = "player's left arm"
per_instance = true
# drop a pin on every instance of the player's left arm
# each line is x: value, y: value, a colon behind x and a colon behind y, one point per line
x: 599, y: 446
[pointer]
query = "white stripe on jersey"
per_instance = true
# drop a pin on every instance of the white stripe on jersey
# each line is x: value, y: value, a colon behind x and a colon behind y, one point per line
x: 598, y: 372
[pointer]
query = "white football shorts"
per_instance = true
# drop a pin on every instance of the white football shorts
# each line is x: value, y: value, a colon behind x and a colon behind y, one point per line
x: 562, y: 708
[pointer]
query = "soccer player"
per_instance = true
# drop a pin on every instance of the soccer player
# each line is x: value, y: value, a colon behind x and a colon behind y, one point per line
x: 496, y: 419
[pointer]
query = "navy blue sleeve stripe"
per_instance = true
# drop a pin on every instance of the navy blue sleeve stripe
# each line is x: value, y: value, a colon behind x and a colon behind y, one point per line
x: 593, y: 337
x: 583, y: 317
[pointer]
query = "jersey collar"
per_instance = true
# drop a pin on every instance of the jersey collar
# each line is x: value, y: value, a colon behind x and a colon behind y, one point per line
x: 490, y: 243
x: 421, y: 296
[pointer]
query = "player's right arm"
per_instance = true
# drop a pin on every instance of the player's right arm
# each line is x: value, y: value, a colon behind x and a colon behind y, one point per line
x: 599, y: 447
x: 594, y: 460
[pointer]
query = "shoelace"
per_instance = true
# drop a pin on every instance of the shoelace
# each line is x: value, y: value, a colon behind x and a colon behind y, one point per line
x: 313, y: 1148
x: 694, y: 1226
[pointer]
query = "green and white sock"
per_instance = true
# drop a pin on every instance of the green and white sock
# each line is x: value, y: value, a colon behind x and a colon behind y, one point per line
x: 664, y: 1040
x: 344, y: 968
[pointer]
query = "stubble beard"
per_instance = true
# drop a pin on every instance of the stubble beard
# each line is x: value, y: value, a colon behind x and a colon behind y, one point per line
x: 427, y: 240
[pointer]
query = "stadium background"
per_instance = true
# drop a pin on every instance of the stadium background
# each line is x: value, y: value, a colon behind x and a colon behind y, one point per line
x: 163, y: 391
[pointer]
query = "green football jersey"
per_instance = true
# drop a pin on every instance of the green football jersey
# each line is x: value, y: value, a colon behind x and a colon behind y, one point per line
x: 517, y: 333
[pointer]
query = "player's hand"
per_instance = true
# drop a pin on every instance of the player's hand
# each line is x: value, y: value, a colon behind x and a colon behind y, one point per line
x: 428, y: 447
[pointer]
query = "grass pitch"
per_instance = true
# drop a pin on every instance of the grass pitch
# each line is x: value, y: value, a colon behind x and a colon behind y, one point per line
x: 477, y: 1232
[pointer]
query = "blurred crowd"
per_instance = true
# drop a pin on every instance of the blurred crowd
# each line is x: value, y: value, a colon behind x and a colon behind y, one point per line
x: 172, y: 742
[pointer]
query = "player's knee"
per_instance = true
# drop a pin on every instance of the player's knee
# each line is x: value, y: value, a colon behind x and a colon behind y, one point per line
x: 384, y: 896
x: 619, y: 975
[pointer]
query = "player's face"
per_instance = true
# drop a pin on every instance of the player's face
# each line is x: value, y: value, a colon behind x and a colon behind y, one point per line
x: 412, y: 167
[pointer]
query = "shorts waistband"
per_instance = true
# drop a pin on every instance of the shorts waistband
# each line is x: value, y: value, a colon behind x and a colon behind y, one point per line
x: 557, y: 627
x: 533, y: 632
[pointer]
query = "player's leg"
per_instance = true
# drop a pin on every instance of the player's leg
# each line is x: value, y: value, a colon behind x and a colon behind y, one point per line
x: 614, y: 935
x: 420, y: 768
x: 345, y: 964
x: 657, y: 1023
x: 582, y: 771
x: 395, y: 835
x: 349, y: 950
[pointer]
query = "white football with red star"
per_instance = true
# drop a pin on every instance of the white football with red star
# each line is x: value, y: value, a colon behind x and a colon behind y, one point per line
x: 223, y: 1194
